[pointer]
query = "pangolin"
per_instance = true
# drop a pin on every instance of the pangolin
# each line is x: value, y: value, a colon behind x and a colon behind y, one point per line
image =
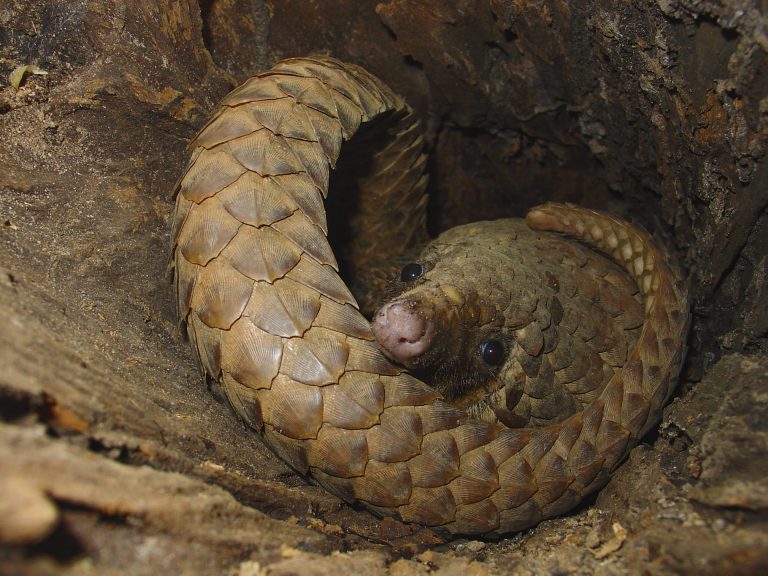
x: 272, y: 322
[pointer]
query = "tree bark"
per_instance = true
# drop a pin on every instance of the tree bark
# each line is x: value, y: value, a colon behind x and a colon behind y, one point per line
x: 114, y: 456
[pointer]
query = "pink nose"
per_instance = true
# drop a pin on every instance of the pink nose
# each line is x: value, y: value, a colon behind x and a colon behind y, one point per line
x: 402, y: 330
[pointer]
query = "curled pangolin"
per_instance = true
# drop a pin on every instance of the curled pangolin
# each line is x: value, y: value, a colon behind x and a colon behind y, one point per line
x: 272, y: 322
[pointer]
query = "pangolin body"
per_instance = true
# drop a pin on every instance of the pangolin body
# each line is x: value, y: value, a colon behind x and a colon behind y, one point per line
x: 258, y: 291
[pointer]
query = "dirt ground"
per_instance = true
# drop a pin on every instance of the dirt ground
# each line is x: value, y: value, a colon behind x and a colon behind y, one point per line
x: 114, y: 456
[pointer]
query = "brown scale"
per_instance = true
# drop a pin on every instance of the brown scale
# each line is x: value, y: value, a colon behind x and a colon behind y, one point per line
x: 272, y: 322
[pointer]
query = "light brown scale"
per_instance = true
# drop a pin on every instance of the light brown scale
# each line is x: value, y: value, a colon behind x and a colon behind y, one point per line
x: 355, y: 403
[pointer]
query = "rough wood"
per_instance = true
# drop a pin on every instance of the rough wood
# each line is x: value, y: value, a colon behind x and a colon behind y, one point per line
x: 654, y: 111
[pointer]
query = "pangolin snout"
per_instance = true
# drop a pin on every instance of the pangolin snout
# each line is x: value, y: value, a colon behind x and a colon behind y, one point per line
x: 404, y: 330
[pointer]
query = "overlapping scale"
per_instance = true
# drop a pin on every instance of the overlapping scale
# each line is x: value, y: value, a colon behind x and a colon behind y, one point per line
x: 433, y: 507
x: 317, y: 359
x: 365, y: 356
x: 398, y: 436
x: 313, y: 161
x: 211, y: 172
x: 321, y: 278
x: 474, y: 434
x: 349, y: 114
x: 440, y: 415
x: 340, y: 452
x: 208, y: 342
x: 261, y: 253
x: 403, y: 389
x: 560, y: 505
x: 207, y: 229
x: 293, y: 409
x: 526, y: 514
x: 311, y: 92
x: 342, y: 318
x: 584, y: 463
x: 438, y: 462
x: 283, y: 117
x: 478, y: 518
x: 186, y: 278
x: 478, y: 478
x: 251, y: 355
x: 507, y: 444
x: 516, y: 484
x: 611, y: 441
x: 308, y: 237
x: 257, y: 200
x: 328, y: 131
x: 265, y: 153
x: 552, y: 478
x: 220, y: 295
x: 384, y: 485
x: 228, y: 124
x: 355, y: 403
x: 180, y: 214
x: 244, y: 399
x: 259, y: 88
x: 289, y: 450
x: 306, y: 195
x: 285, y: 308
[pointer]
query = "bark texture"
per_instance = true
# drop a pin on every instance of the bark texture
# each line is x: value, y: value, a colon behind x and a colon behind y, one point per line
x: 114, y: 456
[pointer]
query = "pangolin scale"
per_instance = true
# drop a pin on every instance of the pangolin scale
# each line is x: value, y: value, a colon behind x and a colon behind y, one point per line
x: 272, y: 322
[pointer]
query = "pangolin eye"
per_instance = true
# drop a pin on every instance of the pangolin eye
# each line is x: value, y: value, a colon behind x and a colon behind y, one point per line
x: 411, y: 271
x: 492, y: 352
